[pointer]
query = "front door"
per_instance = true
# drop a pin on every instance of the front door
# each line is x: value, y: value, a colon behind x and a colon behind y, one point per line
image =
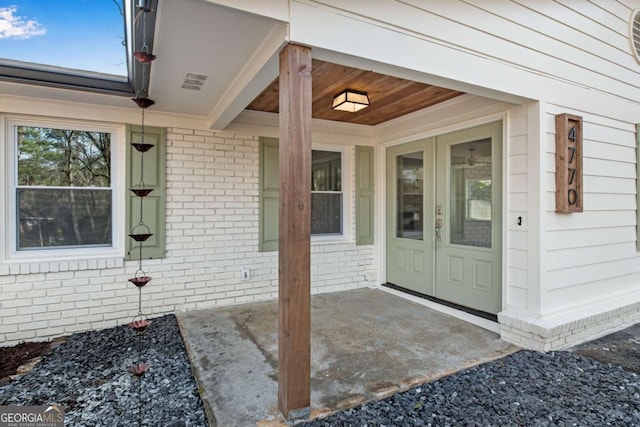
x: 444, y: 217
x: 410, y: 195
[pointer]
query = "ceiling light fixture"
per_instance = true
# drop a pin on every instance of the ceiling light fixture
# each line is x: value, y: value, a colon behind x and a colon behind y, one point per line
x: 350, y: 100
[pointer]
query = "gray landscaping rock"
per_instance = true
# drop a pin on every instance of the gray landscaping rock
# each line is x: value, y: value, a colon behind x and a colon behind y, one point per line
x: 524, y: 389
x: 87, y: 376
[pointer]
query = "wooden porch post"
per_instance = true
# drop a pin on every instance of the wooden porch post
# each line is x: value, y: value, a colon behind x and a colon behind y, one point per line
x: 294, y: 329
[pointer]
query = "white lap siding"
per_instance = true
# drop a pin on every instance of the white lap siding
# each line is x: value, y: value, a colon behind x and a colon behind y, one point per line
x: 590, y: 268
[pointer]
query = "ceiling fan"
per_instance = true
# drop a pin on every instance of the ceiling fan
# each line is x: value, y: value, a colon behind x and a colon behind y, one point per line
x: 473, y: 161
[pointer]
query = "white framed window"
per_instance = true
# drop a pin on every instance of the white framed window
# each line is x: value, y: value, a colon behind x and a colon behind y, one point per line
x: 62, y: 189
x: 332, y: 172
x: 330, y: 206
x: 326, y: 192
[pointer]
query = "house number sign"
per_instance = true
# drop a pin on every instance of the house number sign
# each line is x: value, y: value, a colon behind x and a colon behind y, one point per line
x: 568, y: 163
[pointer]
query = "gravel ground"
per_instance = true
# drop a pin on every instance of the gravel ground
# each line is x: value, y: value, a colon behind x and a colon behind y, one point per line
x: 87, y: 376
x: 524, y: 389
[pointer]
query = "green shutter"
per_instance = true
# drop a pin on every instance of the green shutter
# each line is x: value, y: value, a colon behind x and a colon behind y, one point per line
x: 269, y: 187
x: 154, y: 204
x: 638, y: 186
x: 364, y: 195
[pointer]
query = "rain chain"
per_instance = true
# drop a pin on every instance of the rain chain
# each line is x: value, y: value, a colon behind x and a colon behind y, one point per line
x: 141, y: 232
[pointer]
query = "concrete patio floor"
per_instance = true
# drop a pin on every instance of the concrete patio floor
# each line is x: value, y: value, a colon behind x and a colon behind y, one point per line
x: 365, y: 344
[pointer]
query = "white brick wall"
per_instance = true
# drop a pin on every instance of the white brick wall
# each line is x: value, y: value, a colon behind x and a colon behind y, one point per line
x: 212, y: 234
x: 568, y: 328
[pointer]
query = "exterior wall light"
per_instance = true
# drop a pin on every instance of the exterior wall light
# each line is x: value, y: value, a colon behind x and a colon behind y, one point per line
x: 350, y: 100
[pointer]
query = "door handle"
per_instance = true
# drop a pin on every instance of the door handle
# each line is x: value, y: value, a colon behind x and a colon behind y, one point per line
x: 437, y: 230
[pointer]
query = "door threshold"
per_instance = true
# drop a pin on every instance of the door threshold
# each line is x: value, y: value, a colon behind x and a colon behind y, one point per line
x: 476, y: 317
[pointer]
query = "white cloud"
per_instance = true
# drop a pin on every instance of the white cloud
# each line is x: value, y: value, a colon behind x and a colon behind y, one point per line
x: 18, y: 27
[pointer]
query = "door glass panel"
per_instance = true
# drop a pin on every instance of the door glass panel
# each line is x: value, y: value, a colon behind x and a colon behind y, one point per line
x: 410, y: 195
x: 470, y: 194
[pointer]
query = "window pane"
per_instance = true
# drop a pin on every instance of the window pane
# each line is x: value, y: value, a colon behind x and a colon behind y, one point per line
x: 326, y: 199
x: 410, y: 192
x: 326, y: 173
x: 56, y: 157
x: 63, y: 218
x: 326, y: 217
x: 470, y: 194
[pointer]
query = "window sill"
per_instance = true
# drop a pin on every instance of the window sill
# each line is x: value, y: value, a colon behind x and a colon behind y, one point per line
x: 334, y: 239
x: 61, y: 255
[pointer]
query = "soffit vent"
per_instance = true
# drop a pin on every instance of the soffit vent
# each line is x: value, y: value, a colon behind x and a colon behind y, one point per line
x: 635, y: 33
x: 193, y: 81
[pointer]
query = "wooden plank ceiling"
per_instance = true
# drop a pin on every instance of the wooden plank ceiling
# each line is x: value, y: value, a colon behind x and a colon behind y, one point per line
x: 389, y: 97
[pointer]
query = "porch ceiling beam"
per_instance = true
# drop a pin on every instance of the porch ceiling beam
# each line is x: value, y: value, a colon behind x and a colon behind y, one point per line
x: 256, y: 75
x: 294, y: 287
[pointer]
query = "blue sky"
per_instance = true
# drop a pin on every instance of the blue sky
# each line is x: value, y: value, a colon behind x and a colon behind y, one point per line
x: 78, y: 34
